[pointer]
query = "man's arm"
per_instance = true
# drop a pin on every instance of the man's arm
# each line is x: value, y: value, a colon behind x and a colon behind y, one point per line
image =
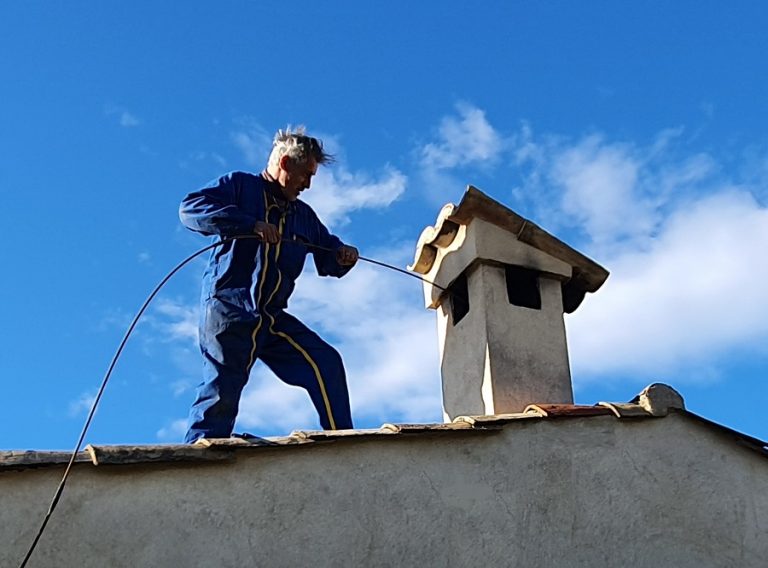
x: 215, y: 209
x: 338, y: 260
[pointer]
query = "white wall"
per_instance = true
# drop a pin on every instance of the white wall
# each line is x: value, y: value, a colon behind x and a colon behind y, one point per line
x: 572, y: 492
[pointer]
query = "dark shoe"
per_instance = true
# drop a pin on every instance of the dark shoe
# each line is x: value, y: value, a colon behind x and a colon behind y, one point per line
x: 254, y: 439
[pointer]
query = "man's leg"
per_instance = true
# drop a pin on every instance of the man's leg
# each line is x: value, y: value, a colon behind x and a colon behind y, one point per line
x: 227, y: 346
x: 299, y: 357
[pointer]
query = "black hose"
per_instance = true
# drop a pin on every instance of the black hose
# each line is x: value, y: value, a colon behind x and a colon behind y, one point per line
x: 60, y: 489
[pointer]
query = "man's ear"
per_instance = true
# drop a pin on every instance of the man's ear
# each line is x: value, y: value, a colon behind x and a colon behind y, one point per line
x: 285, y: 162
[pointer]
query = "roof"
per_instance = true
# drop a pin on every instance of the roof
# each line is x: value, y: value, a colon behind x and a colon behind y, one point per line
x: 587, y: 276
x: 654, y: 402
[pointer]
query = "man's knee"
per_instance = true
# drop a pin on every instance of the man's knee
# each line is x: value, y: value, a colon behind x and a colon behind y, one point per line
x: 333, y: 362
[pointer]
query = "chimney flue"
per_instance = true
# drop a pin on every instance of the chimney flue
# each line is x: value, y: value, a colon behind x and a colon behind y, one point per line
x: 500, y: 326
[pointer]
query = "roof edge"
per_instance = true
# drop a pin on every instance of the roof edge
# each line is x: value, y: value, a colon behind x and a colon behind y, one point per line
x: 654, y: 402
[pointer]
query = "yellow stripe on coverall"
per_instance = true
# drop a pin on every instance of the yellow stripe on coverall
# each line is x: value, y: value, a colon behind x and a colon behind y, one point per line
x: 285, y: 336
x: 252, y: 358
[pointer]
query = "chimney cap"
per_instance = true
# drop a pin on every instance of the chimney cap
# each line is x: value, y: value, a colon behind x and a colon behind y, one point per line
x: 588, y: 276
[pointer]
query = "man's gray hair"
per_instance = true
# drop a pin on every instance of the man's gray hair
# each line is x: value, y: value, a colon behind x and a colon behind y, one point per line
x: 298, y: 146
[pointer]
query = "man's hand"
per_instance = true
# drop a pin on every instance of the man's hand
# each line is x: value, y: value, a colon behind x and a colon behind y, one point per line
x: 267, y: 232
x: 347, y: 256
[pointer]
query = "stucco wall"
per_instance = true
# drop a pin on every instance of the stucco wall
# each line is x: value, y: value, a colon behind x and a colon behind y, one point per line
x: 577, y: 492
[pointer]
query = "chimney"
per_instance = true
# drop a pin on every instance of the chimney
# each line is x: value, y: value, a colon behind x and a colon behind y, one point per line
x: 500, y: 325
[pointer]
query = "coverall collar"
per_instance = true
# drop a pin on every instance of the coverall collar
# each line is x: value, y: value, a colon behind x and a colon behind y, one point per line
x: 275, y: 192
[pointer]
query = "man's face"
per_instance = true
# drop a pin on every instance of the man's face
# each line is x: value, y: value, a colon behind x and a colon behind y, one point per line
x: 295, y: 178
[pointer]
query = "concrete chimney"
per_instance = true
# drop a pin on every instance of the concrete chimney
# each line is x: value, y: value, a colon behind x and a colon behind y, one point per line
x: 500, y: 326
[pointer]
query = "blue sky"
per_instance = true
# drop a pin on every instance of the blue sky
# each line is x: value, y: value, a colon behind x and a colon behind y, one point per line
x: 635, y: 131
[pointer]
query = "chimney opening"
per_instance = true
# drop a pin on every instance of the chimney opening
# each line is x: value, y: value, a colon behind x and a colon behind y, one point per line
x: 458, y: 293
x: 523, y: 287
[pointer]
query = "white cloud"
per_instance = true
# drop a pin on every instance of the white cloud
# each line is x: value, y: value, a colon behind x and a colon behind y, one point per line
x: 463, y: 140
x: 177, y: 321
x: 127, y: 119
x: 82, y: 404
x: 253, y: 141
x: 695, y: 294
x: 617, y: 194
x: 219, y: 159
x: 173, y: 431
x: 205, y: 158
x: 183, y: 386
x: 600, y: 190
x: 124, y: 117
x: 335, y: 193
x: 111, y: 319
x: 269, y: 406
x: 682, y: 242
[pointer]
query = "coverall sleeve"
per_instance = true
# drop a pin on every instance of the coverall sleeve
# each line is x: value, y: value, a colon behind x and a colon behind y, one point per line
x: 325, y: 261
x: 216, y: 209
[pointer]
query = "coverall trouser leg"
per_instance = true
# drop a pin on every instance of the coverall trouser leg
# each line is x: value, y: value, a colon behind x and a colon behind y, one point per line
x: 300, y: 357
x: 231, y: 340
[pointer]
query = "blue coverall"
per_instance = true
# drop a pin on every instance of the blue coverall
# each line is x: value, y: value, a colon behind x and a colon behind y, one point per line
x: 246, y: 286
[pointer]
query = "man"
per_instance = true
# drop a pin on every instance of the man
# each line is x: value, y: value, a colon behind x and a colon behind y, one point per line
x: 247, y: 283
